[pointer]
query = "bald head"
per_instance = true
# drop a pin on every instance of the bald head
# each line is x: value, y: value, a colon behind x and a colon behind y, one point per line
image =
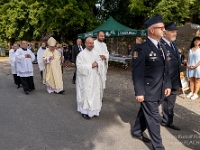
x: 89, y: 43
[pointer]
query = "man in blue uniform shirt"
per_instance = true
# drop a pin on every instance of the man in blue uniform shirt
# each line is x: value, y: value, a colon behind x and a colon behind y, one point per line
x: 151, y: 82
x: 174, y: 62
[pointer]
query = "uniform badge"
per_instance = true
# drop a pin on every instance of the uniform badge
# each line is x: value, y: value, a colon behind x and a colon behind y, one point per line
x: 135, y: 55
x: 168, y: 54
x: 152, y: 56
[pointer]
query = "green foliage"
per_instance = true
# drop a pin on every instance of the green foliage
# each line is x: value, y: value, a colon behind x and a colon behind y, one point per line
x: 29, y: 19
x: 171, y: 10
x: 179, y: 10
x: 3, y: 43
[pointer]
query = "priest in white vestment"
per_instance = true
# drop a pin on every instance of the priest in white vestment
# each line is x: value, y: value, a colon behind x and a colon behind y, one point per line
x: 24, y: 58
x: 101, y: 49
x: 13, y: 64
x: 40, y: 53
x: 52, y: 72
x: 87, y: 81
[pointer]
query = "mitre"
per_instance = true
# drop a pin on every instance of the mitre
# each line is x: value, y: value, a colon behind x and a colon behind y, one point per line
x: 51, y: 41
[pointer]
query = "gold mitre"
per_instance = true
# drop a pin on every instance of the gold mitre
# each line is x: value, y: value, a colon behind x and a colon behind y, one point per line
x: 51, y: 41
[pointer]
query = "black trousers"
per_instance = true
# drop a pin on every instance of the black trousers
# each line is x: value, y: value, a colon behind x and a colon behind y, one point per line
x: 27, y: 83
x: 74, y: 77
x: 16, y: 79
x: 148, y: 117
x: 41, y: 74
x: 168, y: 108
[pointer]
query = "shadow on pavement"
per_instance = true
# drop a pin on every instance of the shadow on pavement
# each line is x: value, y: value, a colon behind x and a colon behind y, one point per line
x: 50, y: 121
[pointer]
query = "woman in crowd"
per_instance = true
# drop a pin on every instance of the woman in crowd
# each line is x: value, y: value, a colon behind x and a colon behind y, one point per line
x: 193, y: 68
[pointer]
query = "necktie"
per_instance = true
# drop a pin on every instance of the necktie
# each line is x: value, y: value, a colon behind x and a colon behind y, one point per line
x: 173, y: 49
x: 80, y: 48
x: 159, y: 47
x: 161, y: 52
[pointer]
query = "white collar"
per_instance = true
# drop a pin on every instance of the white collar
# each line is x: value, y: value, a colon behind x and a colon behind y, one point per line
x: 168, y: 42
x: 153, y: 41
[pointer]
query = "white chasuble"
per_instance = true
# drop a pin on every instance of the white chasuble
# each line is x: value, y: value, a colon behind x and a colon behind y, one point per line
x: 101, y: 49
x: 24, y: 65
x: 87, y: 83
x: 52, y: 75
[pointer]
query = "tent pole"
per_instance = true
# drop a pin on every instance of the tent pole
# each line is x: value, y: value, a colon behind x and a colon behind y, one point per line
x: 117, y: 45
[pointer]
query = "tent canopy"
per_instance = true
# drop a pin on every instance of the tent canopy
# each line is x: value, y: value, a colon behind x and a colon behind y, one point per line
x: 112, y: 28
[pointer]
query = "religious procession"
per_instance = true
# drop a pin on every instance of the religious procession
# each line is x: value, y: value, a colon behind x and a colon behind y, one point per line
x: 112, y: 88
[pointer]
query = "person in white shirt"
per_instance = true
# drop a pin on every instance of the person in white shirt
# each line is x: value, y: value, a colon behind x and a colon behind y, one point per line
x: 12, y: 61
x: 40, y: 53
x: 24, y: 58
x: 101, y: 49
x: 89, y: 66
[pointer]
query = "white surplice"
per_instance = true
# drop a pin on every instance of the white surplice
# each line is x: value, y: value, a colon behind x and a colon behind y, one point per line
x: 101, y: 49
x: 12, y: 61
x: 40, y: 53
x: 88, y: 83
x: 24, y: 65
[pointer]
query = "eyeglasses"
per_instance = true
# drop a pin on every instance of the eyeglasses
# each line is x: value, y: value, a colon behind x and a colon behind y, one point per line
x: 162, y: 28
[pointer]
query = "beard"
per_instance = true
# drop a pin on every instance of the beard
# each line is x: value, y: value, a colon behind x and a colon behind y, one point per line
x: 100, y: 40
x: 173, y: 39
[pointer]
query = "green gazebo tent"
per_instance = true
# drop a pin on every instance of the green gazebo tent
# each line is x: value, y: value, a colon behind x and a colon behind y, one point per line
x: 112, y: 28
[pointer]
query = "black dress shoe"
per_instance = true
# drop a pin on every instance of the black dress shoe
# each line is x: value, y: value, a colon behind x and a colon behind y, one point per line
x: 73, y: 82
x: 26, y: 92
x: 61, y: 92
x: 142, y: 138
x: 172, y: 127
x: 18, y: 86
x: 85, y: 116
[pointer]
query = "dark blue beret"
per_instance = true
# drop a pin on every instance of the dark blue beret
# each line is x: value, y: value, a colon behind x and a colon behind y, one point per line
x: 171, y: 26
x: 153, y: 20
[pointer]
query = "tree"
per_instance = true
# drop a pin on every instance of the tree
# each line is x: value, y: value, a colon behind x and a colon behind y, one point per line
x: 29, y: 19
x: 195, y: 12
x: 119, y: 10
x: 65, y: 19
x: 14, y: 21
x: 179, y: 10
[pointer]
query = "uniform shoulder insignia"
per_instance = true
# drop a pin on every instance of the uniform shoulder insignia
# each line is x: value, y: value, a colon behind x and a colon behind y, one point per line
x: 135, y: 55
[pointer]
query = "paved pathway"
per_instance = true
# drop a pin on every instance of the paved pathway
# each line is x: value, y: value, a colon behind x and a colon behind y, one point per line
x: 42, y: 121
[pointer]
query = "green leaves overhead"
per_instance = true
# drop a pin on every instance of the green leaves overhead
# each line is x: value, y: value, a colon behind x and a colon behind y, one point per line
x: 179, y: 10
x: 32, y: 19
x: 24, y: 19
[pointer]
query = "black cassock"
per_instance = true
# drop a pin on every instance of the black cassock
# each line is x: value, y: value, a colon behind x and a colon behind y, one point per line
x: 16, y: 80
x: 27, y: 83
